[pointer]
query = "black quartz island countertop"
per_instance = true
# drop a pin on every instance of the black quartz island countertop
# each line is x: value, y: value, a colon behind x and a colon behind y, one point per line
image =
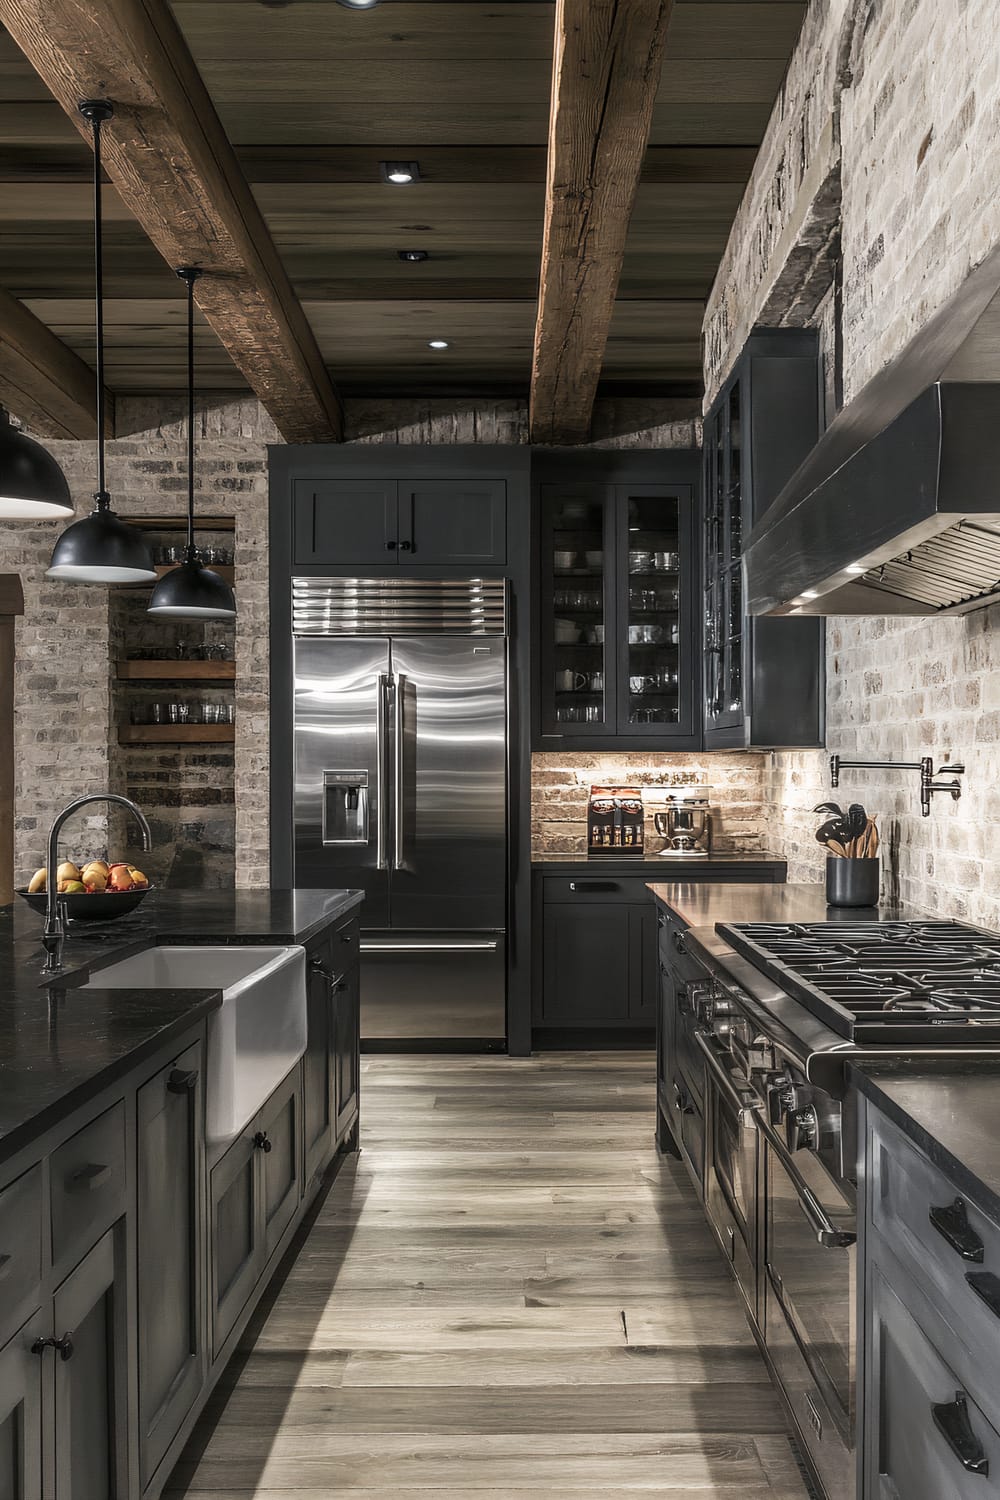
x: 668, y: 867
x: 60, y: 1045
x: 951, y: 1110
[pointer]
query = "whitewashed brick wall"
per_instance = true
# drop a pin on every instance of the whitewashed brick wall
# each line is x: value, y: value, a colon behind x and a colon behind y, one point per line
x: 913, y: 90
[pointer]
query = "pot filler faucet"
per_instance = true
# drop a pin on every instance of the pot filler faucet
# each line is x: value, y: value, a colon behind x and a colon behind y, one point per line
x: 54, y: 931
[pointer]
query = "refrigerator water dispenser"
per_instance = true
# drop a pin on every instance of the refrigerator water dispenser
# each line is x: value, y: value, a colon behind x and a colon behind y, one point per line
x: 345, y: 807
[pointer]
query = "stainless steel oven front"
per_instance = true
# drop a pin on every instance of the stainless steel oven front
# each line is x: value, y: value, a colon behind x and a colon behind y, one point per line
x: 808, y: 1292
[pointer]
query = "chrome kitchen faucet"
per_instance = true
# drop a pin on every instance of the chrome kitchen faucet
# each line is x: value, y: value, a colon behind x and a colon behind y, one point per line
x: 54, y: 931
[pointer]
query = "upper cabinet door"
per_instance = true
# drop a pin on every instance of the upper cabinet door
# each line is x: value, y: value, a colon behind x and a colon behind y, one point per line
x: 576, y: 614
x: 453, y: 522
x: 345, y: 522
x: 657, y: 665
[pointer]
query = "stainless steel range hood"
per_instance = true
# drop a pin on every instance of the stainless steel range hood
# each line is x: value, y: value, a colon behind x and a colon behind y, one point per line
x: 897, y: 508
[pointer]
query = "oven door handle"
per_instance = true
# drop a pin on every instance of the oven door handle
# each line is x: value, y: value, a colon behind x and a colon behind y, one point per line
x: 745, y: 1104
x: 827, y: 1232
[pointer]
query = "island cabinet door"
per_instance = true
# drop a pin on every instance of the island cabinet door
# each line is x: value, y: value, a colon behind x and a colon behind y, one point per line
x: 21, y: 1374
x: 236, y: 1233
x: 278, y: 1140
x: 89, y: 1367
x: 318, y: 1081
x: 586, y: 960
x: 346, y: 1047
x: 170, y: 1251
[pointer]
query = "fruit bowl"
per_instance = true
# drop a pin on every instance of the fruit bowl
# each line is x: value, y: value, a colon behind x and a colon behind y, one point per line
x: 91, y: 906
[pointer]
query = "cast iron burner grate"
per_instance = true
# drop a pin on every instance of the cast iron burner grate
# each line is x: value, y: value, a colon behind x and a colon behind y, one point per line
x: 897, y: 983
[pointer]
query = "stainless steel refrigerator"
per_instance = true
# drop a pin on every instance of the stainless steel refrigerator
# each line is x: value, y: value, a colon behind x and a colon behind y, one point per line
x: 400, y: 788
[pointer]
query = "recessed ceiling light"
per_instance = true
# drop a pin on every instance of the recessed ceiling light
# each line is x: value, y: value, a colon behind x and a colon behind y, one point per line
x: 437, y: 343
x: 400, y: 172
x: 413, y: 255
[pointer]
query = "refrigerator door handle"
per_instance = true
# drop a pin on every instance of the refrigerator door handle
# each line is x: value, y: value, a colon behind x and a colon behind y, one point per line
x: 381, y: 757
x: 398, y: 752
x: 411, y: 945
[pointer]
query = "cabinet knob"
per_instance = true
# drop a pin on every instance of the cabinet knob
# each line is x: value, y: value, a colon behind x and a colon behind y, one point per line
x: 261, y: 1141
x: 406, y: 546
x: 390, y: 546
x: 182, y: 1080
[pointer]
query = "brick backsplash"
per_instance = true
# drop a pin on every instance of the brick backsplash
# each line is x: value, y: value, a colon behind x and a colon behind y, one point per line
x: 561, y: 781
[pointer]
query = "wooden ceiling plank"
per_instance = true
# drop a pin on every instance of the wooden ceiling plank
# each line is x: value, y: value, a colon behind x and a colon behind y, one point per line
x: 168, y: 155
x: 42, y: 381
x: 606, y: 71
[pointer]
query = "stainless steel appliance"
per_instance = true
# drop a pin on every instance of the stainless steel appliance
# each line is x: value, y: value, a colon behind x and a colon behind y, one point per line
x: 686, y: 823
x: 777, y: 1011
x: 400, y: 788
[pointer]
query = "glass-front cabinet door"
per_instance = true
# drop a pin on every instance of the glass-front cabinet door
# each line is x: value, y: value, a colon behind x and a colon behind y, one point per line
x: 578, y: 676
x: 723, y: 574
x: 617, y: 655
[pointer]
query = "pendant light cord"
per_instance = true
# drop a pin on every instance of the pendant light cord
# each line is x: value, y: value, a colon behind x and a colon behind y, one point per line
x: 97, y: 111
x: 190, y: 274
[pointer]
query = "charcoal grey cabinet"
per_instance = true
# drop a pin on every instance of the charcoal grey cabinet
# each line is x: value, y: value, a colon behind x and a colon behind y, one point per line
x: 88, y: 1369
x: 363, y: 522
x: 763, y: 678
x: 347, y: 1051
x: 170, y: 1238
x: 599, y: 956
x: 236, y: 1233
x: 331, y: 1066
x: 21, y: 1373
x: 278, y: 1137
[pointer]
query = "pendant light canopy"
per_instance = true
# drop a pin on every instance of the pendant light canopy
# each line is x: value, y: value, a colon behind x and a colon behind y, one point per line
x: 32, y: 485
x: 192, y: 591
x: 102, y: 548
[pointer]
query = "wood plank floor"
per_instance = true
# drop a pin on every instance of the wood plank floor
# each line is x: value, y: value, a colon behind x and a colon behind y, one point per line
x: 508, y: 1295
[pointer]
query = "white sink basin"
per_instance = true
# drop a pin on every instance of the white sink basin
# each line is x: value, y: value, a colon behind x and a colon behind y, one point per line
x: 257, y: 1035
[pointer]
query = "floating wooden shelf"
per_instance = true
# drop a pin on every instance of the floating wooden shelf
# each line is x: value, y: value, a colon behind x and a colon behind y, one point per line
x: 177, y: 671
x: 179, y: 523
x: 176, y: 734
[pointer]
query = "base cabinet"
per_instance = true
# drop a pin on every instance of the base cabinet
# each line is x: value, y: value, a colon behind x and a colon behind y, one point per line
x: 21, y: 1415
x: 235, y: 1234
x: 172, y: 1349
x: 347, y: 1051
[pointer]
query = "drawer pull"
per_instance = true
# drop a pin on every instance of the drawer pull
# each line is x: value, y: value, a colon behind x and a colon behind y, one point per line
x: 987, y: 1287
x: 6, y: 1261
x: 63, y: 1345
x: 87, y: 1179
x: 582, y: 886
x: 951, y: 1419
x: 952, y: 1223
x: 182, y: 1080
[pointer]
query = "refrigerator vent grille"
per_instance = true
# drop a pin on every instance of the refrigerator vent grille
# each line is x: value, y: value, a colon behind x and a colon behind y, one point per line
x: 393, y: 606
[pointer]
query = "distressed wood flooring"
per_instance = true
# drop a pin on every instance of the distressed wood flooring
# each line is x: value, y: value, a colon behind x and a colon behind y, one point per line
x: 508, y: 1296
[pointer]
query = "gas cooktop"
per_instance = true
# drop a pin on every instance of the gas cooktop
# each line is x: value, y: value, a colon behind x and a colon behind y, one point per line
x: 890, y: 983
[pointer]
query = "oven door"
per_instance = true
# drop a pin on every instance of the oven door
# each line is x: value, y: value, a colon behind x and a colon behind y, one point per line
x: 731, y: 1164
x: 810, y: 1264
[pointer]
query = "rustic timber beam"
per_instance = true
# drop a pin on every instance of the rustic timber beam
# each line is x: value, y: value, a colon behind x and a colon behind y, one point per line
x: 43, y: 382
x: 606, y: 71
x: 171, y: 161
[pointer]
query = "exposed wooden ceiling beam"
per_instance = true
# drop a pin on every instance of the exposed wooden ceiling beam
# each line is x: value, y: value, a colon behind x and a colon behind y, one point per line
x: 606, y: 70
x: 171, y: 161
x: 43, y: 382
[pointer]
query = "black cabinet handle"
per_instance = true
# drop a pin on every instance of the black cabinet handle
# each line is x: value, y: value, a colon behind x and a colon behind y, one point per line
x: 593, y: 885
x: 406, y: 546
x: 390, y: 546
x: 952, y: 1223
x: 987, y: 1288
x: 87, y: 1179
x: 951, y: 1419
x: 63, y: 1345
x: 318, y: 967
x: 182, y: 1080
x: 261, y: 1141
x: 679, y: 942
x: 683, y: 1101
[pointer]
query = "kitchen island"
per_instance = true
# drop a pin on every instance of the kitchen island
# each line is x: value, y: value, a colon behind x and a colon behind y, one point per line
x: 134, y: 1242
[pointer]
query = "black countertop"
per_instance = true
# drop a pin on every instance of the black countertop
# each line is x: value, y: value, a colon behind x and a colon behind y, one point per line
x: 61, y: 1045
x: 951, y: 1111
x: 702, y: 904
x: 668, y: 866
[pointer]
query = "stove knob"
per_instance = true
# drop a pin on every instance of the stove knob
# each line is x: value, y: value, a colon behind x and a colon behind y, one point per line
x: 802, y: 1126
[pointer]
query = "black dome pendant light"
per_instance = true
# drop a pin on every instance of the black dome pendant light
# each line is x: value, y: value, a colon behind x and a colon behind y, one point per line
x: 102, y: 548
x: 192, y: 591
x: 32, y: 485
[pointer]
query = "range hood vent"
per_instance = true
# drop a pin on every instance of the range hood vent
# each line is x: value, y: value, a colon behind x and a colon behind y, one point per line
x: 897, y: 508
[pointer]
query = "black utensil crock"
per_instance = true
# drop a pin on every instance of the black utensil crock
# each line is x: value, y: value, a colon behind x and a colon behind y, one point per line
x: 852, y: 882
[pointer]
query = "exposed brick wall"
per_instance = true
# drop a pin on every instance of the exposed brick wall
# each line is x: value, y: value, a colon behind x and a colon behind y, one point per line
x: 912, y: 158
x: 561, y: 781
